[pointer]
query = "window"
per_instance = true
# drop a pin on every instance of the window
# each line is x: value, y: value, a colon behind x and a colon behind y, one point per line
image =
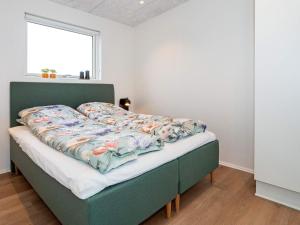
x: 65, y: 48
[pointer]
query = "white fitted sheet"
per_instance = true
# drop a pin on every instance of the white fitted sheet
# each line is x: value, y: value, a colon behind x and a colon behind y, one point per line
x: 83, y: 180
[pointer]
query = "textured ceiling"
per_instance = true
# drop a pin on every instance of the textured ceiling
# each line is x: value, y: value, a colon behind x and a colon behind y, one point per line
x: 129, y: 12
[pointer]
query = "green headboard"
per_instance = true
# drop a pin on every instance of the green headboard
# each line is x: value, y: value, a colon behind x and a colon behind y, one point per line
x: 29, y: 94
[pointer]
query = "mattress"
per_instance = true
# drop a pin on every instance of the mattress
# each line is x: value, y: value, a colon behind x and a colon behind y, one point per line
x: 83, y: 180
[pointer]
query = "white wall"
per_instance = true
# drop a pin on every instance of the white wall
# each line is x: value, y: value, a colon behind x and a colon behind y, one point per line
x: 197, y: 61
x: 193, y: 61
x: 277, y: 95
x: 117, y: 57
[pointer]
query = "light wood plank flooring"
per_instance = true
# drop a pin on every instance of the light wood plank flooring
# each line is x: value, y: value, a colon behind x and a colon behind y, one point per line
x: 229, y: 201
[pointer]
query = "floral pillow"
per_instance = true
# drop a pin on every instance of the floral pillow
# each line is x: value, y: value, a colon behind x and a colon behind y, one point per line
x: 98, y: 110
x: 49, y: 114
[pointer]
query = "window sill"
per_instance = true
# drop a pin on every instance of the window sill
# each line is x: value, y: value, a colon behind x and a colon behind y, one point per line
x: 58, y: 80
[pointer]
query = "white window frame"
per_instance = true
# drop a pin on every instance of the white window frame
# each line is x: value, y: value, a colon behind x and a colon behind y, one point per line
x: 30, y: 18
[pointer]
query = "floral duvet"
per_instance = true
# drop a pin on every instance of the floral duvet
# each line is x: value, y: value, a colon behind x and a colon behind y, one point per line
x: 101, y: 145
x: 165, y: 128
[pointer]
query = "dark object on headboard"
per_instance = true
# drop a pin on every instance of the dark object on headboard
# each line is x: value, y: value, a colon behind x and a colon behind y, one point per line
x: 29, y: 94
x: 125, y: 103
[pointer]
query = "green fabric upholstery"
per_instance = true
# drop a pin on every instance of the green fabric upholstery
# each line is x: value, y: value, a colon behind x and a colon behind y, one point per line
x: 62, y: 202
x: 197, y: 164
x: 135, y: 200
x: 130, y: 202
x: 29, y: 94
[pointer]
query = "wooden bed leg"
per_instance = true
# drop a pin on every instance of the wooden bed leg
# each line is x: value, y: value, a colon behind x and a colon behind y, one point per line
x: 16, y: 170
x: 168, y: 210
x: 211, y: 177
x: 12, y: 167
x: 177, y: 203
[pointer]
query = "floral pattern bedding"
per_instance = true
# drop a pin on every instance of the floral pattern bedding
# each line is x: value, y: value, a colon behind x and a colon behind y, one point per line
x: 100, y: 145
x: 165, y: 128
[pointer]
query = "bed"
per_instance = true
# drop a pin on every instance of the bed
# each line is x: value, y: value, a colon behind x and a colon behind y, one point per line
x: 129, y: 202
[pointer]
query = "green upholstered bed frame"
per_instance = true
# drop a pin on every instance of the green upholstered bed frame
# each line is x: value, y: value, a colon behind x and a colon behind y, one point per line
x: 129, y: 202
x: 196, y: 164
x: 29, y: 94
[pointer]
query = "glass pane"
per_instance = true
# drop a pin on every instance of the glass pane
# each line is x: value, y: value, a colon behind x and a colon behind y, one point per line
x: 66, y: 52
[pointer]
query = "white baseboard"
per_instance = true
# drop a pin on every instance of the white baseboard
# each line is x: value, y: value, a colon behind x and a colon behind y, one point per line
x: 248, y: 170
x: 4, y: 171
x: 277, y: 194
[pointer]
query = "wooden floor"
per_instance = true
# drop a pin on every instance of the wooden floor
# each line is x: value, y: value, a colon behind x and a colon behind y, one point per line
x: 230, y: 200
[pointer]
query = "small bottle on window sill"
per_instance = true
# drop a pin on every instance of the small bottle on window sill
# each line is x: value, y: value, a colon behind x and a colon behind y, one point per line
x: 87, y: 75
x: 81, y: 75
x: 45, y: 73
x: 52, y: 74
